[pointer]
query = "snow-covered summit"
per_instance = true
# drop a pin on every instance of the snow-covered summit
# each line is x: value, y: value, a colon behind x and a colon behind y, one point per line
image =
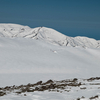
x: 46, y: 34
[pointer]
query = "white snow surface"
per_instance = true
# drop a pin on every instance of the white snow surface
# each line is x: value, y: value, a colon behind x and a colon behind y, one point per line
x: 48, y: 55
x: 46, y: 34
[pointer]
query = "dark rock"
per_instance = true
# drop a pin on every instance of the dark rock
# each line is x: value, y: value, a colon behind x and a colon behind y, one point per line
x: 2, y: 93
x: 30, y: 90
x: 44, y: 87
x: 23, y: 90
x: 48, y: 82
x: 24, y: 94
x: 94, y: 97
x: 18, y: 92
x: 51, y: 86
x: 39, y: 83
x: 78, y: 98
x: 36, y: 88
x: 75, y: 79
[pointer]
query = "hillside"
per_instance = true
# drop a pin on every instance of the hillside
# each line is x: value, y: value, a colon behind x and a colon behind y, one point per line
x: 47, y: 52
x: 47, y: 34
x: 31, y: 56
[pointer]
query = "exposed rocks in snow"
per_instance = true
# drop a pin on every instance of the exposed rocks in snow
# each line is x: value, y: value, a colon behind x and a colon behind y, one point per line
x: 67, y: 85
x: 93, y: 78
x: 94, y: 97
x: 2, y: 93
x: 91, y: 98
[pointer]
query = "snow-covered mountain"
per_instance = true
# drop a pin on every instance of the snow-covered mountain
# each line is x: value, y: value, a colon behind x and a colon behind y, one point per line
x: 46, y: 34
x: 24, y: 60
x: 17, y: 51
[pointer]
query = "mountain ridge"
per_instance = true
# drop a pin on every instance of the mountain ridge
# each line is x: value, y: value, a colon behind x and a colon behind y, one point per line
x: 46, y: 34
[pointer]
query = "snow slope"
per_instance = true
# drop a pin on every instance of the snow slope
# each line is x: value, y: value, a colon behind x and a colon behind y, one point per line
x: 19, y: 55
x: 47, y: 34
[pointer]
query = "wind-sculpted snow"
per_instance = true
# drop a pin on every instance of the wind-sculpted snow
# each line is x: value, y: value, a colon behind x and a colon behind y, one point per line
x: 46, y: 34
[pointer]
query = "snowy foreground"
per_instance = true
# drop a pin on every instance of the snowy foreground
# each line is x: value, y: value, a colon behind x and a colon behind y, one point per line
x: 30, y: 55
x: 69, y: 89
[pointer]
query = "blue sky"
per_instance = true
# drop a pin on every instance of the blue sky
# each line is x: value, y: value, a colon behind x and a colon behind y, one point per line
x: 70, y: 17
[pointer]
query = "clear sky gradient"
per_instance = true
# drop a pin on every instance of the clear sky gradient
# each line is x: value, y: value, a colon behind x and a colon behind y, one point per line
x: 70, y: 17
